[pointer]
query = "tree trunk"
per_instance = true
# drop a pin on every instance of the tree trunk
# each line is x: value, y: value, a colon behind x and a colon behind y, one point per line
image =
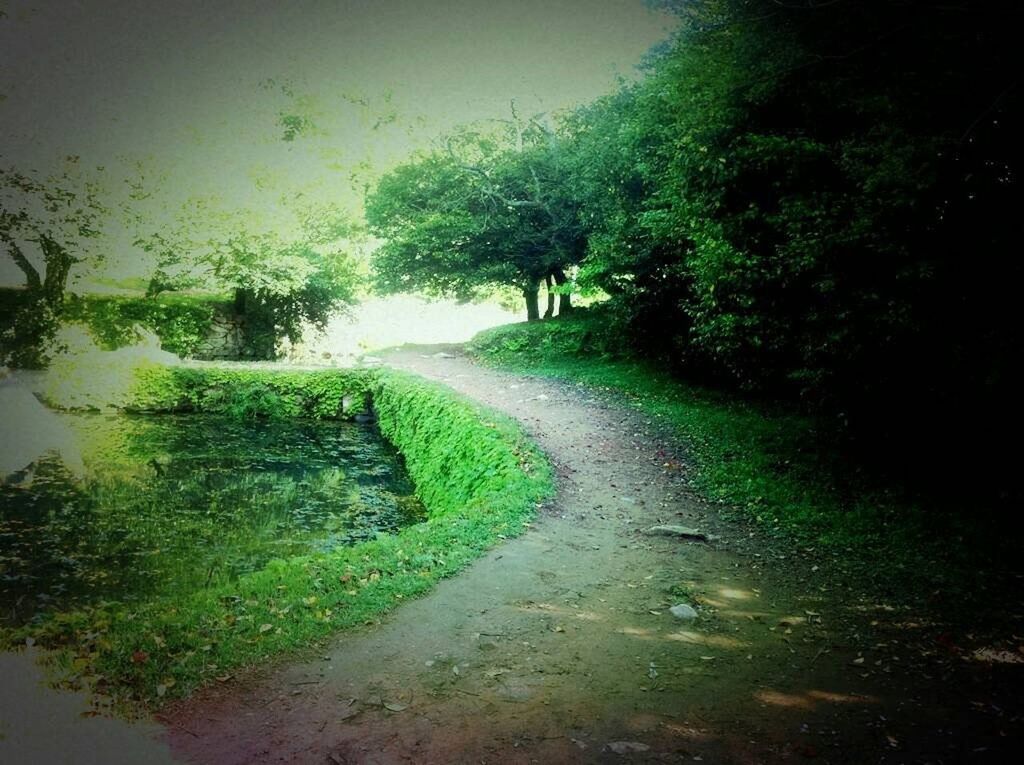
x: 32, y: 279
x: 241, y: 301
x: 56, y: 282
x: 551, y: 298
x: 532, y: 304
x: 564, y: 298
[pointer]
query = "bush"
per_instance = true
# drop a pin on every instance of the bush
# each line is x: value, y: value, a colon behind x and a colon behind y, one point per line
x: 181, y: 322
x: 587, y: 332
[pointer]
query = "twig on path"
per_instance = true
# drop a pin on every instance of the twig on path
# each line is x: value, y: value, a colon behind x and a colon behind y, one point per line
x: 179, y: 726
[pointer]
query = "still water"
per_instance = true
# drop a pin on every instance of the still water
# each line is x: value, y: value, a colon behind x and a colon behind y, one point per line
x: 171, y: 504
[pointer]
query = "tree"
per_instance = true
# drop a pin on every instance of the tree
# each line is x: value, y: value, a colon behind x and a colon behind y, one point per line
x: 488, y: 209
x: 819, y: 200
x: 279, y: 282
x: 45, y: 228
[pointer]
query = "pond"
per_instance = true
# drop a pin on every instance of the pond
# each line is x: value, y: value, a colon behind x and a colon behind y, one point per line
x: 176, y: 503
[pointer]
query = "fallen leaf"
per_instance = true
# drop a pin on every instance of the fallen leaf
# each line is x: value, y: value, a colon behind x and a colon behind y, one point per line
x: 394, y: 706
x: 266, y: 627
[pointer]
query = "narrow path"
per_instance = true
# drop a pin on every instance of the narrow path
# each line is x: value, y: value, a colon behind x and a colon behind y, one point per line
x: 559, y: 645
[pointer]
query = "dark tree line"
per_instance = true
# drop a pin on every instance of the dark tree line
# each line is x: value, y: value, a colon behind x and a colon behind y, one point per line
x: 813, y: 199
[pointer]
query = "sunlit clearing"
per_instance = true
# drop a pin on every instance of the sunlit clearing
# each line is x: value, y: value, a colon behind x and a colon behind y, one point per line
x: 997, y: 656
x: 778, y: 699
x: 573, y: 613
x: 384, y: 322
x: 686, y: 731
x: 639, y: 632
x: 735, y: 594
x: 809, y: 699
x: 705, y: 601
x: 842, y: 698
x: 715, y: 641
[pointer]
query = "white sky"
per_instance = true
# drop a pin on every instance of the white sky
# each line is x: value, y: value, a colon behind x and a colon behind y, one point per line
x: 179, y: 82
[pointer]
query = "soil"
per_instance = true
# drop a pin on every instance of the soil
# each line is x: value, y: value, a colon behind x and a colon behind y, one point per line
x: 559, y: 646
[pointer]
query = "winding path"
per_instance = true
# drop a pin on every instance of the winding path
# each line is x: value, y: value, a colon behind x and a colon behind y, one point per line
x: 559, y: 646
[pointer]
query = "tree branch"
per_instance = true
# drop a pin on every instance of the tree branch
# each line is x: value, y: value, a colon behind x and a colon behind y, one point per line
x: 33, y: 280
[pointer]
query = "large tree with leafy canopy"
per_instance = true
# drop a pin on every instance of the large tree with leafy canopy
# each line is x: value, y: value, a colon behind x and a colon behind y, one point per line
x: 489, y: 208
x: 46, y: 228
x: 282, y: 277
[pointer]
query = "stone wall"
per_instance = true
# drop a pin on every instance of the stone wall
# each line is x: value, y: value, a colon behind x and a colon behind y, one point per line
x: 229, y: 339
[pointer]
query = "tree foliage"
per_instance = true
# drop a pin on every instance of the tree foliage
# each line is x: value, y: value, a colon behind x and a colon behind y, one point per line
x: 817, y: 199
x: 46, y: 225
x: 488, y: 209
x: 279, y: 282
x: 809, y: 199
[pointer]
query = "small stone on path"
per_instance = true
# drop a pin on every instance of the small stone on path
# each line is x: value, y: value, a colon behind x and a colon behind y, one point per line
x: 683, y: 532
x: 683, y: 611
x: 627, y: 747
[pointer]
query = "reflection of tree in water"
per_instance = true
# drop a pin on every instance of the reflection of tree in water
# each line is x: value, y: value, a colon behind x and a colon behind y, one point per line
x: 177, y: 503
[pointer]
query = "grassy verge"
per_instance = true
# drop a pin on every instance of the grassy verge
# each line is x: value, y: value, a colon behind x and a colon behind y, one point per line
x: 478, y: 476
x: 765, y: 462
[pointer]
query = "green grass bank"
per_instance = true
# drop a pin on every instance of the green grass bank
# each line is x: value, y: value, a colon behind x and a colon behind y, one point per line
x: 480, y: 480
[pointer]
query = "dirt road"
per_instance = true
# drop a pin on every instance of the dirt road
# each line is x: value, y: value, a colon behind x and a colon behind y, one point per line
x: 560, y: 646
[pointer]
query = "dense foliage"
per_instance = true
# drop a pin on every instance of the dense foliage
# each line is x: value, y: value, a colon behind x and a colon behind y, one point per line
x: 476, y: 497
x: 281, y: 282
x: 181, y: 322
x: 490, y: 210
x: 46, y: 225
x: 810, y: 200
x: 779, y: 470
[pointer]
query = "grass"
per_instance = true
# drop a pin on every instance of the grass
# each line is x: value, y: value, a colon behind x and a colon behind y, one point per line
x: 764, y: 462
x: 474, y: 497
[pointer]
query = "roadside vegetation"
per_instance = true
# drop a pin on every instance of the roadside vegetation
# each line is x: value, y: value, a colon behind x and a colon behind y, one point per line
x: 477, y: 475
x: 806, y: 202
x: 771, y: 464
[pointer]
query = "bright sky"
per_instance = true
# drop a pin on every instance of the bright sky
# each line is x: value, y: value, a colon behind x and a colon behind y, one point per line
x: 196, y: 87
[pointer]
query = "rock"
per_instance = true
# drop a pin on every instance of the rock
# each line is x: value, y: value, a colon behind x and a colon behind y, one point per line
x: 627, y: 747
x: 683, y: 611
x: 680, y: 532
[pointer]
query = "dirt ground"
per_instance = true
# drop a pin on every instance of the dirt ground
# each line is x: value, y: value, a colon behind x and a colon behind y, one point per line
x: 559, y: 646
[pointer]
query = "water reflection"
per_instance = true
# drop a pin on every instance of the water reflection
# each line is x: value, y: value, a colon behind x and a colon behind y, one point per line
x: 177, y: 503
